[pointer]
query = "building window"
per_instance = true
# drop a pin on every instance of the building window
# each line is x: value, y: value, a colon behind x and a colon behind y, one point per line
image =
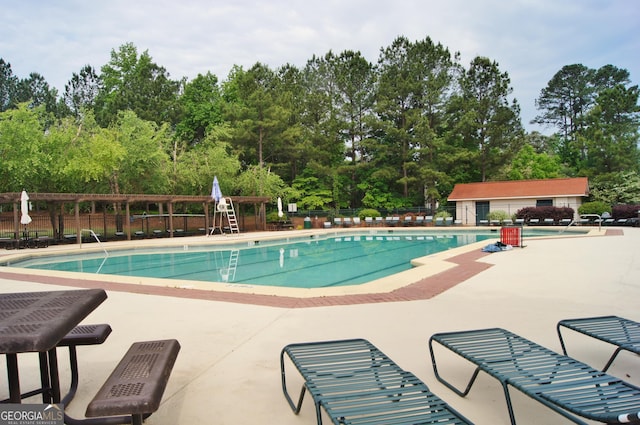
x: 544, y: 202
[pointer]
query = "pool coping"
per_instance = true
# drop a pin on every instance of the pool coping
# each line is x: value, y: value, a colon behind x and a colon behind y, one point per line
x: 436, y: 273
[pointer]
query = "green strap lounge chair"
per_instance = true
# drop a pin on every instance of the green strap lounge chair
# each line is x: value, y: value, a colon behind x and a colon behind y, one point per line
x: 565, y: 385
x: 355, y: 383
x: 623, y: 333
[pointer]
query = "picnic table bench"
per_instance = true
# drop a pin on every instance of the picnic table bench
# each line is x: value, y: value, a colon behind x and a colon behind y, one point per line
x: 81, y: 335
x: 134, y: 389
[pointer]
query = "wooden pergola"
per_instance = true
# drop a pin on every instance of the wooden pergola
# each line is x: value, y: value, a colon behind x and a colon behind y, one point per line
x: 127, y: 200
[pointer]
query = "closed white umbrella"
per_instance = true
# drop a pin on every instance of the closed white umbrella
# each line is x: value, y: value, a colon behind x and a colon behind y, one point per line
x: 24, y: 207
x: 216, y: 193
x: 280, y: 213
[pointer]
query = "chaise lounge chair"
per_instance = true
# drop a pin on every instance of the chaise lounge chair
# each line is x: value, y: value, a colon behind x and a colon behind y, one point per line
x: 355, y: 383
x: 563, y: 384
x: 623, y: 333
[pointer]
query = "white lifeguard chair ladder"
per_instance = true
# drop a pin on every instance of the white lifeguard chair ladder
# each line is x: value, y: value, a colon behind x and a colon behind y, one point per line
x: 225, y: 209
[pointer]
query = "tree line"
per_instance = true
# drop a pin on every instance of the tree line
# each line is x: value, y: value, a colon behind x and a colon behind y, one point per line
x: 340, y: 132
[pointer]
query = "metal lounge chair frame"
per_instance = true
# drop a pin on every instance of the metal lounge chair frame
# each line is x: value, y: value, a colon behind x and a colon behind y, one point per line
x: 355, y: 383
x: 563, y: 384
x: 623, y: 333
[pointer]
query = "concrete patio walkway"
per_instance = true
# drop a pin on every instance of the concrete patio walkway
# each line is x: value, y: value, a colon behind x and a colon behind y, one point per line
x: 228, y: 370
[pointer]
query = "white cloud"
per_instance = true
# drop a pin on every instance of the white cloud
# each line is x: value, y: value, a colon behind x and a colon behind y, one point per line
x: 530, y: 39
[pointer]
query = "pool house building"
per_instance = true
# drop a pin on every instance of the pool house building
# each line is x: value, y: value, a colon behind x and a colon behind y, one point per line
x: 474, y: 201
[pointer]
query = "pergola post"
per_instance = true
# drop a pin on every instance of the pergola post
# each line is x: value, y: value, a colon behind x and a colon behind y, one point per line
x: 78, y: 229
x: 16, y: 220
x: 127, y: 219
x: 170, y: 208
x: 205, y: 208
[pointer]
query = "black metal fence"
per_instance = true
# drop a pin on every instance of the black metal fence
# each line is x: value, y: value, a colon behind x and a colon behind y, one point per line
x: 65, y: 228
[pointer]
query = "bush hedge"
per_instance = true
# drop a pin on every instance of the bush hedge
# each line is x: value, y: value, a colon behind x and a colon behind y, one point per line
x: 595, y: 207
x: 368, y: 212
x: 498, y: 215
x: 556, y: 213
x: 625, y: 211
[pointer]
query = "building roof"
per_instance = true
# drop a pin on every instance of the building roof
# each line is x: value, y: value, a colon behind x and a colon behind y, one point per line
x: 548, y: 188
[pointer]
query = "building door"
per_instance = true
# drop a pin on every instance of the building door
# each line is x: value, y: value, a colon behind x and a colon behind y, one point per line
x: 482, y: 210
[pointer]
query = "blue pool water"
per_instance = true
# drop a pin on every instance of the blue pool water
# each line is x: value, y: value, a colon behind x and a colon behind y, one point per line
x: 320, y: 261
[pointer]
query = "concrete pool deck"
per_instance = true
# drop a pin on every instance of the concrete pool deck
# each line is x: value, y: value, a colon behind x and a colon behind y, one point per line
x: 228, y: 369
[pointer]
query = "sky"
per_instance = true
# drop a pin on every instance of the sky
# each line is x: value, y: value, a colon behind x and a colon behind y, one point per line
x: 531, y: 40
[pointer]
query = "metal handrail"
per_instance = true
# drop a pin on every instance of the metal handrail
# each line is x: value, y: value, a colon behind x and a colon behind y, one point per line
x: 96, y: 238
x: 598, y: 216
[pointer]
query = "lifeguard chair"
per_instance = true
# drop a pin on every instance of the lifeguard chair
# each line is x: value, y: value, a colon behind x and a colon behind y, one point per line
x: 224, y: 209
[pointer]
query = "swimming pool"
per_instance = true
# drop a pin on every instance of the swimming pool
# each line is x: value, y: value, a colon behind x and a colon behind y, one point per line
x: 319, y: 261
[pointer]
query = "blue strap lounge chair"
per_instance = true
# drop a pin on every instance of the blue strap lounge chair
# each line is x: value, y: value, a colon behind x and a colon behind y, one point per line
x: 355, y: 383
x: 565, y: 385
x: 623, y: 333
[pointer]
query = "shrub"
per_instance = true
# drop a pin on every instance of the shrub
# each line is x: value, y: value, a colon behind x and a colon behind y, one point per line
x: 273, y: 216
x: 443, y: 214
x: 368, y: 212
x: 556, y: 213
x: 596, y: 207
x: 625, y: 211
x: 498, y: 215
